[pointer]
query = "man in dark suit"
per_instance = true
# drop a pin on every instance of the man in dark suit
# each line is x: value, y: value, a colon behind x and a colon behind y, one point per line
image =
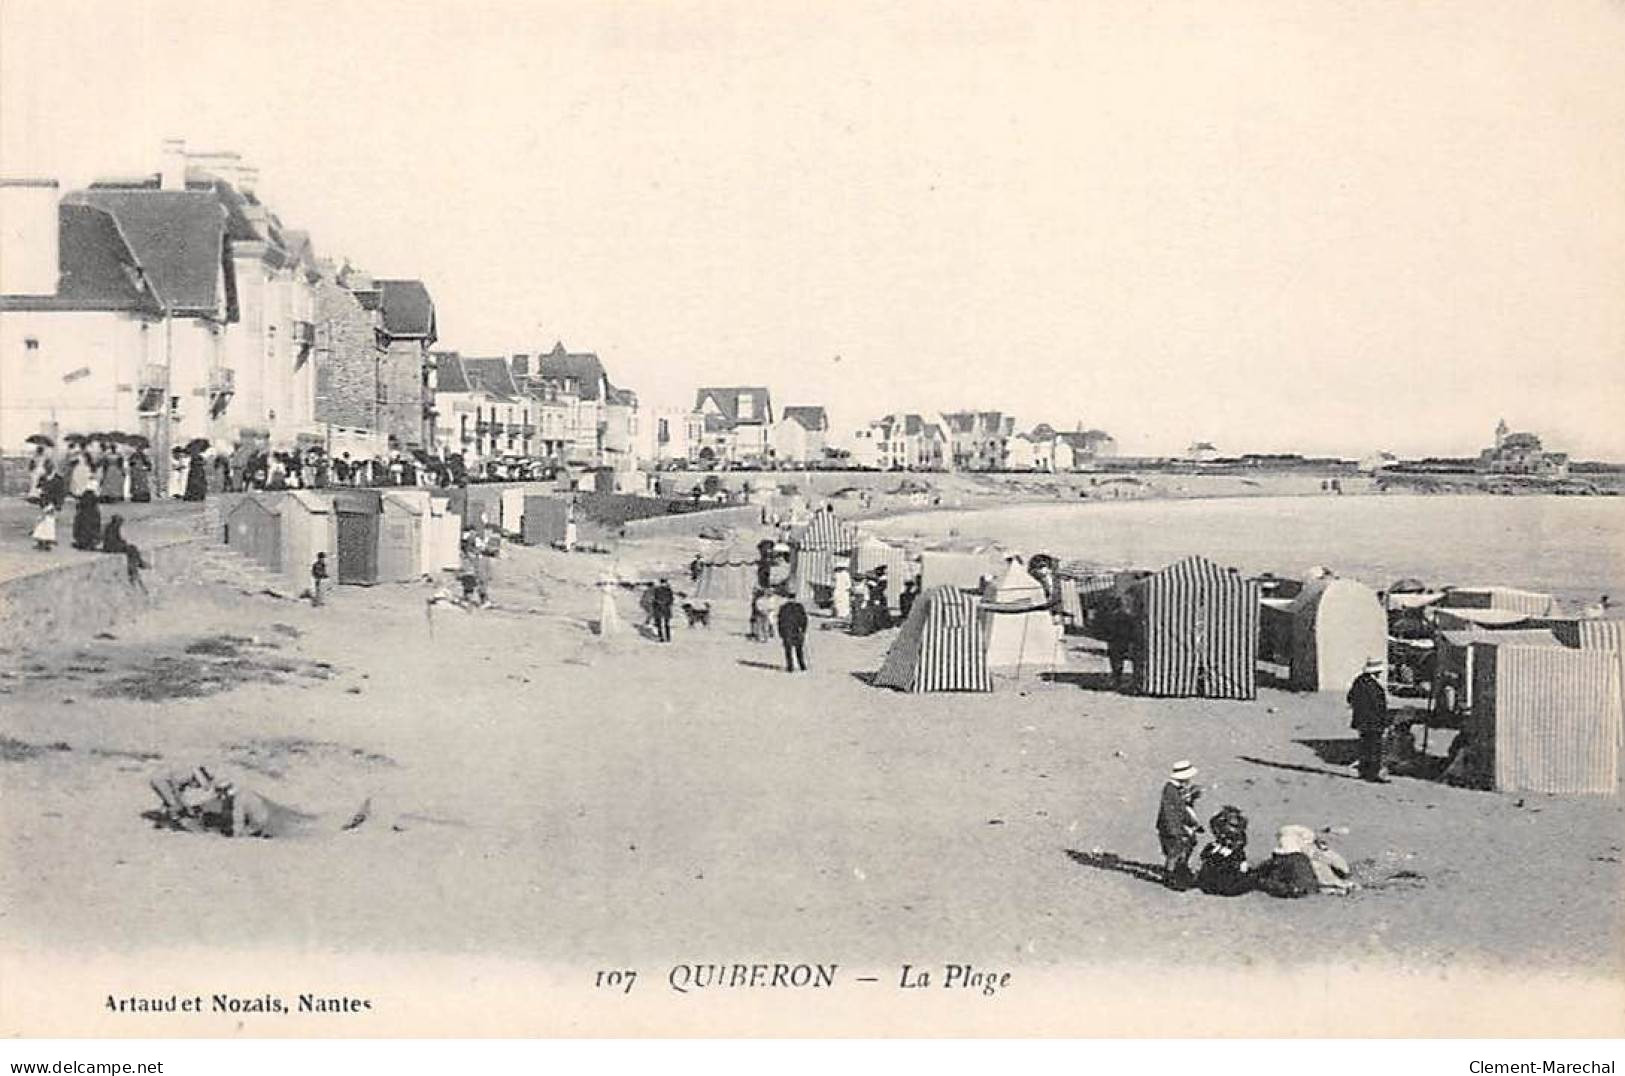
x: 1369, y: 701
x: 793, y: 634
x: 660, y: 606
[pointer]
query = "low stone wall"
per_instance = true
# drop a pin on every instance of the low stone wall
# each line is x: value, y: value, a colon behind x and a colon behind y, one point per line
x: 744, y: 515
x: 79, y: 600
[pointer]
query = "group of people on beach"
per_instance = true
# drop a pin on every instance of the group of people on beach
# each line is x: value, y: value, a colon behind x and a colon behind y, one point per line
x: 1301, y: 863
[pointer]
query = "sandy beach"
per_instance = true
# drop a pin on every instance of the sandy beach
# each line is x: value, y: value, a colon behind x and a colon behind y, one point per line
x: 543, y: 796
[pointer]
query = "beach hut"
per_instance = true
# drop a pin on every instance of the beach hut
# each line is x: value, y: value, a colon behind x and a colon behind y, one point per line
x: 1527, y: 602
x: 1199, y: 627
x: 402, y: 521
x: 511, y: 505
x: 478, y: 500
x: 940, y: 647
x: 356, y: 514
x: 1544, y: 719
x: 1333, y: 627
x: 1592, y: 634
x: 1017, y: 628
x: 1453, y: 661
x: 420, y: 504
x: 545, y: 519
x: 446, y: 537
x: 308, y: 527
x: 947, y: 568
x: 254, y: 529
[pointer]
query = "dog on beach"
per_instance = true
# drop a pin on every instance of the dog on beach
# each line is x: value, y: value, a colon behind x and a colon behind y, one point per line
x: 698, y: 615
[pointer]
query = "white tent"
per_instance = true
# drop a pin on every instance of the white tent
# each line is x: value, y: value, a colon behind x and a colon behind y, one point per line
x: 1018, y: 630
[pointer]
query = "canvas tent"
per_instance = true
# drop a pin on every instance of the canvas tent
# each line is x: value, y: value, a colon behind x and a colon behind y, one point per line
x: 729, y: 575
x: 940, y: 647
x: 872, y: 553
x: 1544, y: 719
x: 545, y: 519
x: 1331, y: 629
x: 1017, y: 628
x: 1199, y: 629
x: 825, y: 531
x: 812, y: 568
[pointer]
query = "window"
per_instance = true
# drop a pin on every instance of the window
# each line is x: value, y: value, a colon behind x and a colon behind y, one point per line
x: 31, y: 344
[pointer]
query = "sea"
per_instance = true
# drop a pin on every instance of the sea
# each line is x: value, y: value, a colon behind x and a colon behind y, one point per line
x: 1570, y: 547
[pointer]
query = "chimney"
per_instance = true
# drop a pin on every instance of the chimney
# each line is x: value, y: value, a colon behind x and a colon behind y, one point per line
x: 521, y: 365
x: 172, y: 165
x: 30, y: 237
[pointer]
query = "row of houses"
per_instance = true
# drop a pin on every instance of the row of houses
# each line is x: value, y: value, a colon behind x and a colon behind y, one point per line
x: 737, y: 425
x: 177, y: 305
x: 974, y: 441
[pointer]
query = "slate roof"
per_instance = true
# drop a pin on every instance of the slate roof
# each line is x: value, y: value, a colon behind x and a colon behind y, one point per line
x: 811, y: 419
x: 408, y: 310
x: 493, y: 375
x: 583, y: 366
x: 450, y: 376
x: 726, y: 399
x: 179, y: 238
x: 97, y: 270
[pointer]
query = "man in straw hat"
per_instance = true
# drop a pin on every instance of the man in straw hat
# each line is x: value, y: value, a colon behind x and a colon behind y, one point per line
x: 1177, y: 826
x: 1369, y: 701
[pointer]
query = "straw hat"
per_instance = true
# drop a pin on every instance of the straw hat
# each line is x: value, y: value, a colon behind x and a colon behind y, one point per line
x: 1183, y: 771
x: 1375, y: 665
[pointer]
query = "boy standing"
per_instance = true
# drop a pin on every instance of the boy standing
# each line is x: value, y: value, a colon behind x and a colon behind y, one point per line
x: 1177, y: 826
x: 318, y: 579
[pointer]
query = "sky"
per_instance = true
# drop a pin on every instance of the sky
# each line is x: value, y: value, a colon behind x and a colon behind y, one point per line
x: 1320, y: 227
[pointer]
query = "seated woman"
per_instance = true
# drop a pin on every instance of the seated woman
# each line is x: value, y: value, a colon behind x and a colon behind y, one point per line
x: 1332, y: 871
x: 1289, y: 872
x: 1223, y: 870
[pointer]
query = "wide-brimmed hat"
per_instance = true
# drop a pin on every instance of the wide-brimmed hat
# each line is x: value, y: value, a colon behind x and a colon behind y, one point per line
x: 1183, y: 771
x: 1375, y: 665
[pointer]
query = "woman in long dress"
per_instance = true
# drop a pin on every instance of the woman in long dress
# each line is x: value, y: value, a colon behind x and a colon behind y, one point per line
x: 80, y: 478
x: 197, y: 478
x: 112, y: 483
x: 609, y: 618
x: 87, y: 522
x: 140, y: 477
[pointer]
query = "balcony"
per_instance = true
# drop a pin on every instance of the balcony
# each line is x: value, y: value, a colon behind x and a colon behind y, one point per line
x: 222, y: 381
x: 483, y: 429
x: 528, y: 430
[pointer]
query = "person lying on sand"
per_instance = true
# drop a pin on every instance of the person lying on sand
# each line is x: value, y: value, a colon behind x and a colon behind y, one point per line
x: 199, y: 800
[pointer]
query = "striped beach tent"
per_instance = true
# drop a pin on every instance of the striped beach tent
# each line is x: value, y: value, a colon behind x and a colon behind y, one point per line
x: 810, y: 568
x: 1545, y: 719
x: 871, y: 553
x: 1593, y: 634
x: 940, y: 647
x: 825, y: 531
x: 1199, y: 630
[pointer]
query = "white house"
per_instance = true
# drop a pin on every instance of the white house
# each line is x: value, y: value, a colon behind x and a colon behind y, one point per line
x: 800, y: 435
x: 737, y: 421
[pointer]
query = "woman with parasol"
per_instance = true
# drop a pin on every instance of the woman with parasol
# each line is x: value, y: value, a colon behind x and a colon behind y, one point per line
x: 197, y: 473
x: 111, y: 481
